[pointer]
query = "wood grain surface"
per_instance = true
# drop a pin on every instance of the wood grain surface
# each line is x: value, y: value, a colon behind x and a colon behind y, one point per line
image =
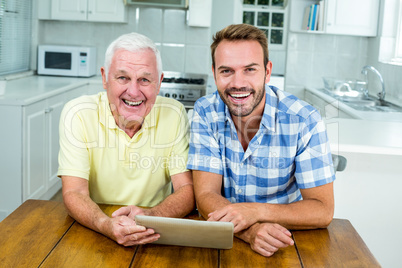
x: 41, y: 234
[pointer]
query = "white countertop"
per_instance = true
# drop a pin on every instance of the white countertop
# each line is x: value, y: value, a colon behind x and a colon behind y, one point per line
x: 30, y: 89
x: 366, y: 115
x: 365, y: 136
x: 370, y: 132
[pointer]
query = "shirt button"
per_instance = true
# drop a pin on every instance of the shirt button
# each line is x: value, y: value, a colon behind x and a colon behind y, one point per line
x: 239, y: 191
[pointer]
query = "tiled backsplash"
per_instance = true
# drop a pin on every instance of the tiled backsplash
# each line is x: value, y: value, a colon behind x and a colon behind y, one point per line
x: 183, y: 48
x: 312, y: 56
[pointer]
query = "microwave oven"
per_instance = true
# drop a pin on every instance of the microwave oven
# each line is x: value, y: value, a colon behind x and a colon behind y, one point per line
x: 66, y: 60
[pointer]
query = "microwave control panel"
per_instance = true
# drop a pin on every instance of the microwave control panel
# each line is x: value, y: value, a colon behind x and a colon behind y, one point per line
x: 83, y: 59
x: 87, y: 61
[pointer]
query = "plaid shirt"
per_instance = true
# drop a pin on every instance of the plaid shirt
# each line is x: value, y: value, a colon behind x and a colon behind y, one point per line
x: 289, y: 152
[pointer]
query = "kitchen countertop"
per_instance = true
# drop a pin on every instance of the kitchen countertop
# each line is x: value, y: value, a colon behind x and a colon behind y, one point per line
x: 364, y: 136
x: 366, y: 115
x: 30, y: 89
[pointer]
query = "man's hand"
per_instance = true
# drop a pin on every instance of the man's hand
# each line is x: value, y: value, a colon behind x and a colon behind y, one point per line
x: 267, y: 238
x: 129, y: 211
x: 127, y: 233
x: 242, y: 215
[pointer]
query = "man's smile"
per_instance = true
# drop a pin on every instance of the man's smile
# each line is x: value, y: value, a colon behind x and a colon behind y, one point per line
x: 132, y: 103
x: 239, y: 97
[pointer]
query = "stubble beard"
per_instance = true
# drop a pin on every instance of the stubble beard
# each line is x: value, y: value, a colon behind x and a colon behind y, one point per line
x: 241, y: 110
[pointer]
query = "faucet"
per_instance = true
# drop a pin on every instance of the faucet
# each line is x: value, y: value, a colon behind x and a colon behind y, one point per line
x: 381, y: 95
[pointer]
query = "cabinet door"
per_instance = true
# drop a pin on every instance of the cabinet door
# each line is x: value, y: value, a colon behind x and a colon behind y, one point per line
x: 34, y: 151
x: 53, y: 111
x: 106, y: 10
x: 357, y: 17
x: 69, y: 9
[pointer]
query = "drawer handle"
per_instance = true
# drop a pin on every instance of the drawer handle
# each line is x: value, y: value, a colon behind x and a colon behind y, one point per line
x: 48, y: 110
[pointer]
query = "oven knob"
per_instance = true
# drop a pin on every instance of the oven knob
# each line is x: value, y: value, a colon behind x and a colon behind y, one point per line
x: 167, y: 95
x: 181, y: 96
x: 174, y: 95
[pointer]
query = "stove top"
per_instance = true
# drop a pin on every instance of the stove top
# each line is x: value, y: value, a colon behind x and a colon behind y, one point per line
x: 184, y: 87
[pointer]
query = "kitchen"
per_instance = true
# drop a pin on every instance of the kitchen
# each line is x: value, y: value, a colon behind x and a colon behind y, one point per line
x: 372, y: 147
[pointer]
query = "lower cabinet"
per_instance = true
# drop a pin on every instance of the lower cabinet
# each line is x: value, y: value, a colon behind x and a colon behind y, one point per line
x: 41, y: 146
x: 29, y: 143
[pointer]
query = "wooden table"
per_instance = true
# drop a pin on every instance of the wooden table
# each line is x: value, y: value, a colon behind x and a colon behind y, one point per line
x: 41, y: 234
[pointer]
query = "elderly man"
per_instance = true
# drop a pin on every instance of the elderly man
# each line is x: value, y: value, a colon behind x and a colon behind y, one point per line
x: 260, y: 156
x: 126, y: 146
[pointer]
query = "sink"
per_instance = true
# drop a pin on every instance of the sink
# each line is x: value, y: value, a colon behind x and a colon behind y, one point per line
x: 345, y: 88
x: 374, y: 105
x: 369, y: 103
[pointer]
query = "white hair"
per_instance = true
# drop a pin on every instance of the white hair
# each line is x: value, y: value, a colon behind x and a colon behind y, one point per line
x: 132, y: 42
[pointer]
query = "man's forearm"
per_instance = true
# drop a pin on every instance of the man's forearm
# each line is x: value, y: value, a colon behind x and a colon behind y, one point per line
x: 314, y: 211
x: 85, y: 211
x: 209, y: 202
x: 304, y: 214
x: 177, y: 205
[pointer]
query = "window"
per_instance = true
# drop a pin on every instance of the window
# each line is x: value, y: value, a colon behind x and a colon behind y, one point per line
x: 269, y: 16
x: 398, y: 47
x: 15, y: 36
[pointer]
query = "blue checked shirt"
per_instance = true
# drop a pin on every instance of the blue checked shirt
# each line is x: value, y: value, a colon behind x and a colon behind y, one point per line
x: 289, y: 152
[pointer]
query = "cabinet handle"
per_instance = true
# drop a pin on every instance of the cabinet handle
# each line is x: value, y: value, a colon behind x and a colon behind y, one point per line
x: 48, y: 110
x: 89, y: 12
x: 82, y: 11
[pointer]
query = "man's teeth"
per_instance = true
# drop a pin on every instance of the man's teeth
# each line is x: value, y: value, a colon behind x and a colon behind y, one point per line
x: 132, y: 103
x: 240, y: 95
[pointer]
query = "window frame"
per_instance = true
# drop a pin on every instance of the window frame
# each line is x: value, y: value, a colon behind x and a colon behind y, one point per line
x: 398, y: 45
x: 270, y: 9
x: 15, y: 36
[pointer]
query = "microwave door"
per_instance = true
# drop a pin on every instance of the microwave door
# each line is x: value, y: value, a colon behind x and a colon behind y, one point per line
x: 58, y: 60
x: 60, y: 63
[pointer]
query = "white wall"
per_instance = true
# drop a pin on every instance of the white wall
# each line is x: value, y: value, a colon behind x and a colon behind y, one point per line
x: 312, y: 56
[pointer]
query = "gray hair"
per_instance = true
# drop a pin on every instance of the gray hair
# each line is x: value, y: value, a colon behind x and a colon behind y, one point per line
x: 132, y: 42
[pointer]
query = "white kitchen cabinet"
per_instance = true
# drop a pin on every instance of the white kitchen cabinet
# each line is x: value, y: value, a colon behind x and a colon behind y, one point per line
x: 29, y: 144
x: 89, y: 10
x: 343, y: 17
x: 41, y: 146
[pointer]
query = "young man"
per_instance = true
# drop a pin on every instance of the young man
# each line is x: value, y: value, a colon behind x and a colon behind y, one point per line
x: 126, y: 146
x: 260, y: 156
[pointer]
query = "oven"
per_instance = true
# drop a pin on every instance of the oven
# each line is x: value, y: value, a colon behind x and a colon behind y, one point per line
x: 184, y: 87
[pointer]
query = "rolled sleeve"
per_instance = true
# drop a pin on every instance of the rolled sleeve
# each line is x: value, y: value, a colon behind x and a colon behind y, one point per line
x: 313, y: 161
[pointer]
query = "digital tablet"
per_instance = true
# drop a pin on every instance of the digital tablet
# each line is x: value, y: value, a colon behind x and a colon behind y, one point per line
x: 191, y: 233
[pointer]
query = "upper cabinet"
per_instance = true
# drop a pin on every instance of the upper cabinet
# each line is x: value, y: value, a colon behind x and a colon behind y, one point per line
x: 83, y: 10
x: 343, y: 17
x: 160, y: 3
